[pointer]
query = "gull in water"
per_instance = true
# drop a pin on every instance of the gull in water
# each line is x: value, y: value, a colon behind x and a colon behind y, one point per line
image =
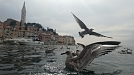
x: 89, y: 53
x: 87, y: 30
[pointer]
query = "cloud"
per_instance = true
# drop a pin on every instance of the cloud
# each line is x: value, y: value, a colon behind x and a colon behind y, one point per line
x: 109, y: 17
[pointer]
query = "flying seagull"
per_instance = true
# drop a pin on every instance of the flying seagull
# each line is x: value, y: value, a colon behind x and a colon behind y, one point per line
x: 87, y: 30
x: 89, y: 53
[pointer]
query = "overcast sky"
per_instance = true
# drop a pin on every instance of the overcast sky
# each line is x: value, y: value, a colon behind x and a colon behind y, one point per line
x: 114, y: 18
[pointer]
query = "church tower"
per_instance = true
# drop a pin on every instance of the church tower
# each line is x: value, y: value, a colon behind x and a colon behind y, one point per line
x: 23, y: 15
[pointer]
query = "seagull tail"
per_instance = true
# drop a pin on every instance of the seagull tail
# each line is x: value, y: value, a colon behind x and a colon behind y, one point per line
x: 80, y: 34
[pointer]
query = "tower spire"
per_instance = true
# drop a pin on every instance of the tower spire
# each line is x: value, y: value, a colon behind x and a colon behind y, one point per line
x: 23, y: 15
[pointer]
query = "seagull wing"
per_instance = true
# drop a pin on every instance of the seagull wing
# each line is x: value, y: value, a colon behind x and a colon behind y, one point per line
x: 81, y: 24
x: 83, y: 46
x: 99, y: 35
x: 92, y: 51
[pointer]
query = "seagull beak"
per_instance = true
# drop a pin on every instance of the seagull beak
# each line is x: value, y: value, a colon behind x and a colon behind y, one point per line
x: 63, y: 53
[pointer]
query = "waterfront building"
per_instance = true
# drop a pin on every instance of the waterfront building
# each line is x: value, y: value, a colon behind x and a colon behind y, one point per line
x: 14, y: 34
x: 60, y: 40
x: 56, y: 39
x: 68, y: 40
x: 46, y: 38
x: 11, y: 28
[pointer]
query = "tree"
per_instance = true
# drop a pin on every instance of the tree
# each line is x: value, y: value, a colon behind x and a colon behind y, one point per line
x: 13, y: 23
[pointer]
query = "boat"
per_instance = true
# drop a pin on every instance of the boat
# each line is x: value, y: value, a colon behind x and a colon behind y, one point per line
x: 23, y: 41
x: 30, y: 42
x: 128, y: 51
x: 12, y: 41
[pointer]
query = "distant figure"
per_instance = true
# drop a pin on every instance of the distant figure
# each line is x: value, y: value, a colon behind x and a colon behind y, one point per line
x: 88, y: 54
x: 87, y: 30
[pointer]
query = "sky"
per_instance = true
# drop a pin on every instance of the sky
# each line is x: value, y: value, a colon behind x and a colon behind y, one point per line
x: 114, y: 18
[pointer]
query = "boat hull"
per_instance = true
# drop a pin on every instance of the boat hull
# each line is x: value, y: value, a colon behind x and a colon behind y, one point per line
x: 31, y: 43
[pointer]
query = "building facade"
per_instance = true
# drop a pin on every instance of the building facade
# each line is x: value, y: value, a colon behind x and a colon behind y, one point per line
x: 11, y: 28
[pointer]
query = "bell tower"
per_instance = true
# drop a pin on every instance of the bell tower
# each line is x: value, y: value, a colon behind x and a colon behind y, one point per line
x: 23, y: 15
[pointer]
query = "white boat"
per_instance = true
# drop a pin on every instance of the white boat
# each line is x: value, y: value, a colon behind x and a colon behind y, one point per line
x: 12, y: 41
x: 30, y: 42
x: 24, y: 41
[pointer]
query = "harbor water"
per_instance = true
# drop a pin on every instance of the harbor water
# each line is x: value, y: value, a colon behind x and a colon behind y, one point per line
x: 32, y: 60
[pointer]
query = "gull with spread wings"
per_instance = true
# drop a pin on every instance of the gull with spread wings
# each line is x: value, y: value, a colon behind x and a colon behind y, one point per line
x: 87, y: 30
x: 88, y: 54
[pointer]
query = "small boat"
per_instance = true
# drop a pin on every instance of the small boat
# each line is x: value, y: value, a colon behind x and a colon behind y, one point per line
x: 128, y: 51
x: 30, y: 42
x: 12, y: 41
x: 123, y: 52
x: 23, y: 41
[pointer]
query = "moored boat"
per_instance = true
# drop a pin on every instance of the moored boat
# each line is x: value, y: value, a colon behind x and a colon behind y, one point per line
x: 30, y: 42
x: 23, y: 41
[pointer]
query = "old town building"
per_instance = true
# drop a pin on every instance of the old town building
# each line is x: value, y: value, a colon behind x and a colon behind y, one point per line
x: 11, y: 29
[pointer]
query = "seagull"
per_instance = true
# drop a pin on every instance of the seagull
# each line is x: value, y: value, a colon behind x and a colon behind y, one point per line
x: 87, y: 30
x: 88, y: 54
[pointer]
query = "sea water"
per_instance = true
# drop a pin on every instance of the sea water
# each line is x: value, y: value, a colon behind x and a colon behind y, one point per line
x: 32, y: 60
